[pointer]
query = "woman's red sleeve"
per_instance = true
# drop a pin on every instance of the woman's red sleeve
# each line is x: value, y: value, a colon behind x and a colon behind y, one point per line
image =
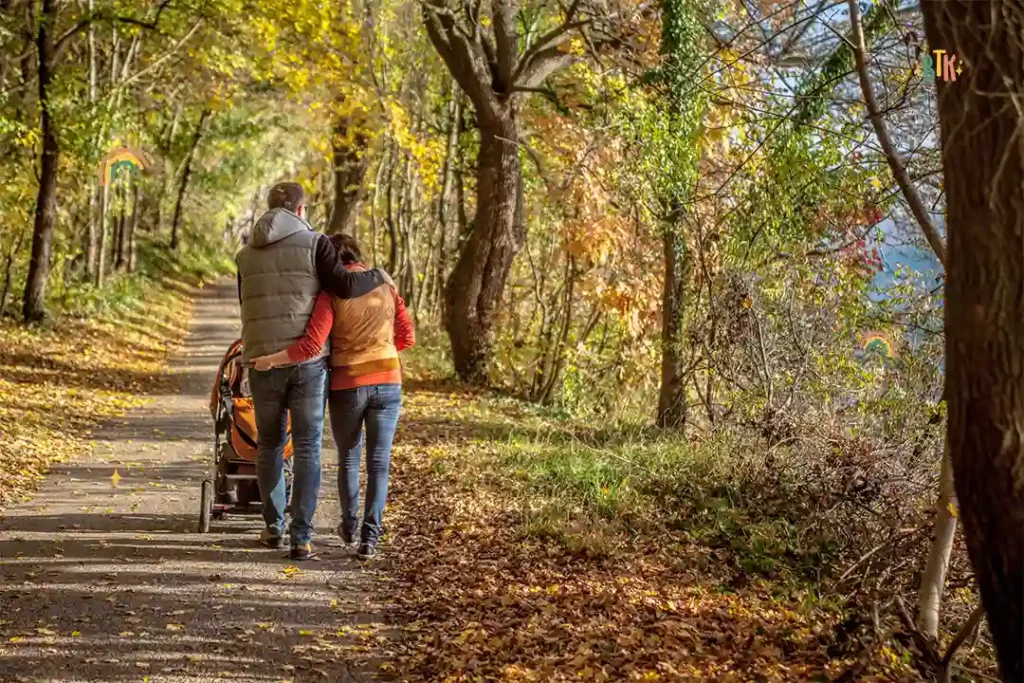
x: 317, y: 329
x: 405, y: 333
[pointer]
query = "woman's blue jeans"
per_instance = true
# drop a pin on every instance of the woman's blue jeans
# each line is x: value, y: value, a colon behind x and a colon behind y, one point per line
x: 376, y: 407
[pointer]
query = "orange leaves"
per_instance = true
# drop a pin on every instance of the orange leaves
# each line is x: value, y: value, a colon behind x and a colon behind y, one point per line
x: 486, y: 596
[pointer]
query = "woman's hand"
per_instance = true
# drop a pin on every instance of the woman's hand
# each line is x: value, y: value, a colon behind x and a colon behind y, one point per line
x: 263, y: 363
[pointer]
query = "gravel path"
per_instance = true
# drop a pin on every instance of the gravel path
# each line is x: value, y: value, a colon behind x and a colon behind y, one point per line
x: 105, y: 582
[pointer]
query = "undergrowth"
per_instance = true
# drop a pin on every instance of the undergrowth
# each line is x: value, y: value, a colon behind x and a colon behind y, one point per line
x: 775, y: 527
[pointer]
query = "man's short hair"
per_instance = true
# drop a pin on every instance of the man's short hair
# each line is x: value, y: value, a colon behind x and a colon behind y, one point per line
x: 285, y: 196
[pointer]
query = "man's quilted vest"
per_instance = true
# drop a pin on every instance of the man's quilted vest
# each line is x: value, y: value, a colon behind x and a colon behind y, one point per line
x: 279, y: 283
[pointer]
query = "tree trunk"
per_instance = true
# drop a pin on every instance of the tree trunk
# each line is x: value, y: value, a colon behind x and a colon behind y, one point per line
x: 441, y: 265
x: 460, y: 187
x: 133, y: 225
x: 119, y: 240
x: 94, y: 190
x: 101, y: 247
x: 405, y: 212
x: 983, y: 160
x: 350, y: 161
x: 9, y: 274
x: 168, y: 175
x: 477, y: 282
x: 185, y: 176
x: 389, y: 217
x: 672, y: 397
x: 557, y: 357
x: 933, y: 579
x: 46, y: 200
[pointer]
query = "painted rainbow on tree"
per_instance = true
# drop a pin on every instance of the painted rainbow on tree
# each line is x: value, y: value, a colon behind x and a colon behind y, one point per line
x: 876, y: 341
x: 119, y: 160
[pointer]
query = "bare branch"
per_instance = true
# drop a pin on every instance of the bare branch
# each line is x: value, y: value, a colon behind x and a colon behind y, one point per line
x: 461, y: 57
x: 63, y: 42
x: 163, y: 58
x: 552, y: 38
x: 543, y: 64
x: 962, y: 635
x: 896, y: 165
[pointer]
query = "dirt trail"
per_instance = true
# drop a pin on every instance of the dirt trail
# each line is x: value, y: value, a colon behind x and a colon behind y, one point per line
x: 111, y: 583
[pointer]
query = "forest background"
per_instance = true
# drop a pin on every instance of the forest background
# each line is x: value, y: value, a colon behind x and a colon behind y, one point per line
x: 701, y: 240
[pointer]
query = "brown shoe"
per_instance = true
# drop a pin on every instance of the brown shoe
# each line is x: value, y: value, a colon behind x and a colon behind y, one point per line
x: 302, y: 551
x: 271, y: 539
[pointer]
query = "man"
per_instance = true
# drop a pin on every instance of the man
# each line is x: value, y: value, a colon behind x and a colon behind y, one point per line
x: 280, y: 272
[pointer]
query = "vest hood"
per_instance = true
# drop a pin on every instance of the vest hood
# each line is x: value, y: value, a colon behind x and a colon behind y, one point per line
x: 276, y: 225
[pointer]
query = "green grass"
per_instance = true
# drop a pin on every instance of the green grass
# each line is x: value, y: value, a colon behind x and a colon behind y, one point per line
x: 595, y: 490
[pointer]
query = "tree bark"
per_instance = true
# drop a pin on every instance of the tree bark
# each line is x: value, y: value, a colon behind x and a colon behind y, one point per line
x: 672, y: 396
x: 983, y: 159
x: 186, y: 175
x: 350, y: 163
x: 477, y: 282
x: 33, y: 308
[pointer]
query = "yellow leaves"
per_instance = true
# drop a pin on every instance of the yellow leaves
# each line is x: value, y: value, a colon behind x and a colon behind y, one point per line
x: 174, y: 627
x: 427, y: 152
x: 951, y: 508
x: 47, y: 415
x: 115, y: 478
x: 291, y: 571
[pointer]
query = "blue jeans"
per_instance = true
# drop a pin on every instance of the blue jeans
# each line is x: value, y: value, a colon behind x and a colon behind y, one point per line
x: 301, y: 391
x: 377, y: 407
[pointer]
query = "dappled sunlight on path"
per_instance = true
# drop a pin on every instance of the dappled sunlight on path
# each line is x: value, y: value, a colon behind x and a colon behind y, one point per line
x: 103, y: 578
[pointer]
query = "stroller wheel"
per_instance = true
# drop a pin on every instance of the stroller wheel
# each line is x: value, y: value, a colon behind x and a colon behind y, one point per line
x: 205, y: 506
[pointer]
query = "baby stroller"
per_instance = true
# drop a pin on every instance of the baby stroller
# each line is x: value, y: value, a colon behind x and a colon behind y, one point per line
x: 231, y: 487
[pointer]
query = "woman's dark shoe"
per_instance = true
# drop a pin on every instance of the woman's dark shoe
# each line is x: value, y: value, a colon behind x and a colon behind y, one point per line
x: 367, y: 550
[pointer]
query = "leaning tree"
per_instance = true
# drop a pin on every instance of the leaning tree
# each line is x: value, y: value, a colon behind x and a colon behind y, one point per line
x: 499, y: 54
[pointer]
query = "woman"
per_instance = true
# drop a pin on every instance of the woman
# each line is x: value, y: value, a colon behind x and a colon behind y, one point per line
x: 366, y: 335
